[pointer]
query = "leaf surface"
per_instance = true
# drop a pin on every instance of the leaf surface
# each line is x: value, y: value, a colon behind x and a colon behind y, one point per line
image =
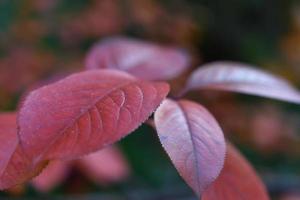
x: 145, y: 60
x: 236, y: 77
x: 85, y: 112
x: 193, y: 140
x: 238, y: 180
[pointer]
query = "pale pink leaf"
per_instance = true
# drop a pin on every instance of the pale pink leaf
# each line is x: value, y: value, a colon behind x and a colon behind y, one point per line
x: 237, y: 180
x: 105, y: 167
x: 237, y: 77
x: 85, y: 112
x: 193, y: 140
x: 15, y: 167
x: 145, y: 60
x: 53, y: 175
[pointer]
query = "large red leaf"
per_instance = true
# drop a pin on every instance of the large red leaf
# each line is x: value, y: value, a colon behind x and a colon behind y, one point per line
x: 15, y: 167
x: 236, y: 77
x: 85, y: 112
x: 142, y: 59
x: 237, y: 180
x: 193, y: 140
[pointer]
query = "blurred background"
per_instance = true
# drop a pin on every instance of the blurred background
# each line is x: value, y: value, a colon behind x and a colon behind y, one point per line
x: 46, y: 39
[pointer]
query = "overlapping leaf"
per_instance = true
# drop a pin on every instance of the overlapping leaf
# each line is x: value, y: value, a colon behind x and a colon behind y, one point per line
x: 236, y: 77
x: 142, y: 59
x: 102, y: 167
x: 85, y: 112
x: 8, y: 138
x: 105, y: 166
x: 53, y: 175
x: 15, y: 167
x: 237, y: 180
x: 193, y: 140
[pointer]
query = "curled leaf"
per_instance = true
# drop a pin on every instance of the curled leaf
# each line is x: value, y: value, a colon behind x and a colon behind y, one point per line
x: 193, y: 140
x: 236, y: 77
x: 237, y: 180
x: 145, y: 60
x: 85, y: 112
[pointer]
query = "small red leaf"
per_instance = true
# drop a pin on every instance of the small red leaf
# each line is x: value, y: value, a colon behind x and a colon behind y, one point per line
x: 105, y: 166
x: 193, y: 140
x: 142, y: 59
x: 237, y: 180
x: 85, y: 112
x: 15, y: 167
x: 236, y: 77
x: 52, y: 176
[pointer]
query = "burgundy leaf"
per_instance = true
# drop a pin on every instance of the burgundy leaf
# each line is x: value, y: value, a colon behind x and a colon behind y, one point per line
x: 236, y: 77
x: 142, y: 59
x: 193, y: 140
x: 15, y: 167
x: 237, y: 180
x: 85, y: 112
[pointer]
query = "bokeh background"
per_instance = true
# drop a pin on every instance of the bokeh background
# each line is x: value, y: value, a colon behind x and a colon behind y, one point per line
x: 40, y: 39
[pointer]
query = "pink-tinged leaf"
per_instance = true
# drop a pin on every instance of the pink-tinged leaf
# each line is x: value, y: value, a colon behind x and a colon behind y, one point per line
x: 85, y: 112
x: 8, y: 138
x: 236, y: 77
x: 16, y: 191
x: 105, y: 167
x: 237, y: 180
x: 53, y: 175
x: 193, y: 140
x: 15, y: 167
x: 142, y: 59
x: 290, y: 196
x: 19, y: 169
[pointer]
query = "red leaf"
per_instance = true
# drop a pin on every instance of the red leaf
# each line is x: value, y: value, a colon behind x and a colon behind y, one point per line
x: 52, y: 176
x: 236, y: 77
x: 15, y: 167
x: 142, y: 59
x: 193, y: 140
x: 85, y: 112
x: 105, y: 166
x: 237, y: 180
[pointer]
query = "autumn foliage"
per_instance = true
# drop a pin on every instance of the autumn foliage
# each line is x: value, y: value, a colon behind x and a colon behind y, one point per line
x: 118, y: 90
